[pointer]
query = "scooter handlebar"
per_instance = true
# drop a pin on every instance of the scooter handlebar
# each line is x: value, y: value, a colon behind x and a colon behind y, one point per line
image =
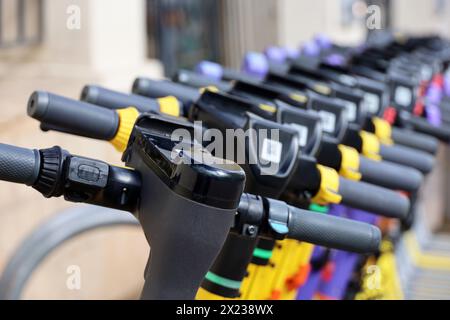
x: 196, y: 80
x: 333, y: 232
x: 116, y: 100
x: 76, y: 117
x: 374, y: 199
x: 19, y: 165
x: 22, y: 165
x: 390, y: 175
x: 415, y: 140
x: 406, y: 156
x: 162, y: 88
x: 421, y: 125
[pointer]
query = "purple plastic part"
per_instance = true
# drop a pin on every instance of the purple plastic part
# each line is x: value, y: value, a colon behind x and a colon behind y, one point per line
x: 447, y: 85
x: 291, y: 53
x: 317, y: 252
x: 433, y: 114
x: 345, y: 262
x: 311, y: 49
x: 363, y: 216
x: 210, y: 69
x: 335, y: 59
x: 255, y: 64
x: 335, y: 288
x: 275, y: 54
x: 323, y: 41
x: 434, y: 94
x: 338, y: 210
x: 308, y: 290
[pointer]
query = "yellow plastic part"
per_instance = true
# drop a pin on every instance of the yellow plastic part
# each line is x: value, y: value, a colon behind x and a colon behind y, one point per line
x: 203, y: 294
x: 383, y: 130
x: 303, y: 256
x: 298, y: 97
x: 261, y: 285
x: 430, y: 260
x: 329, y: 187
x: 381, y: 279
x: 284, y: 269
x: 209, y: 88
x: 290, y: 265
x: 323, y: 89
x: 248, y: 281
x: 268, y: 108
x: 371, y: 145
x: 349, y: 163
x: 169, y: 105
x: 400, y: 37
x: 127, y: 118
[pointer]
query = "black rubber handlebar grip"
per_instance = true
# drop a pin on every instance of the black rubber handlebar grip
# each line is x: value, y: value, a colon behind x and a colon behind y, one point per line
x: 48, y: 127
x: 415, y: 140
x: 19, y: 165
x: 117, y: 100
x: 406, y: 156
x: 422, y: 125
x: 196, y: 80
x: 390, y: 175
x: 229, y: 74
x: 162, y: 88
x: 333, y: 232
x: 374, y: 199
x: 73, y: 116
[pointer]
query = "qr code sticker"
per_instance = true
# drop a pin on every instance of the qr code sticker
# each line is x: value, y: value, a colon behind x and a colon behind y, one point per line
x: 271, y: 151
x: 302, y: 133
x: 371, y: 103
x: 350, y: 109
x: 328, y: 121
x: 403, y: 96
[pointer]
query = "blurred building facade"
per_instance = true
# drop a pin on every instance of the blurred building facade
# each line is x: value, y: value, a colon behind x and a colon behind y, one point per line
x: 82, y: 41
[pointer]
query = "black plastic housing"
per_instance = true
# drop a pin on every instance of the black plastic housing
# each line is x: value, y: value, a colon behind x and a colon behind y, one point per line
x: 181, y: 199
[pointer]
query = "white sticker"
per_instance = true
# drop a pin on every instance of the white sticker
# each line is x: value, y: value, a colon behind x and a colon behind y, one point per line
x: 350, y: 110
x: 347, y: 80
x: 403, y: 96
x: 302, y: 133
x: 271, y: 151
x: 426, y: 73
x: 371, y: 103
x: 328, y: 121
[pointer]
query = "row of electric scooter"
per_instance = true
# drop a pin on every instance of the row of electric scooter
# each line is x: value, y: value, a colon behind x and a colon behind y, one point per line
x: 311, y: 199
